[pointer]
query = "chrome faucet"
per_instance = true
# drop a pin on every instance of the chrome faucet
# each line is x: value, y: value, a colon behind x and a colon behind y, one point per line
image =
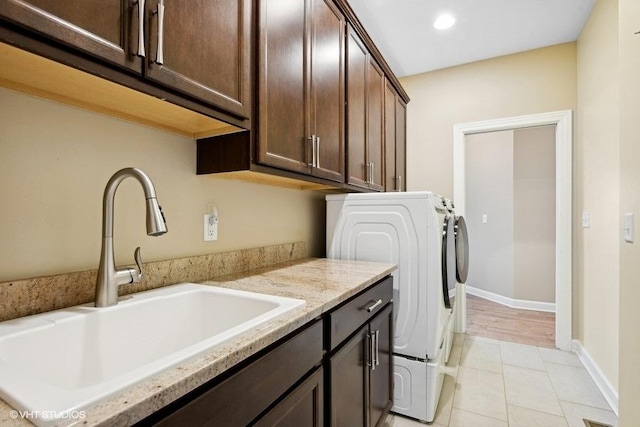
x: 110, y: 277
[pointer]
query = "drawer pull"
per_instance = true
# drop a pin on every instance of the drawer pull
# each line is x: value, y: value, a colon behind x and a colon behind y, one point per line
x: 373, y: 306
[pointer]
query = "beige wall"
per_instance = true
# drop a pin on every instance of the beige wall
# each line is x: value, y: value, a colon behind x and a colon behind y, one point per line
x: 534, y: 214
x: 596, y: 190
x: 489, y: 184
x: 629, y: 19
x: 55, y: 162
x: 510, y: 177
x: 536, y: 81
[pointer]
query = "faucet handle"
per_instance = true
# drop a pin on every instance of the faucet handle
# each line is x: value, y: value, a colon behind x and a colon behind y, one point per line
x: 138, y: 258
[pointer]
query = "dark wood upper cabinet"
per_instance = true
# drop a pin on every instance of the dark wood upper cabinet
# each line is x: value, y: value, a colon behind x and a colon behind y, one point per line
x: 357, y: 66
x: 301, y: 83
x: 401, y: 144
x: 375, y: 124
x: 365, y: 116
x: 107, y: 29
x: 202, y: 48
x: 394, y: 140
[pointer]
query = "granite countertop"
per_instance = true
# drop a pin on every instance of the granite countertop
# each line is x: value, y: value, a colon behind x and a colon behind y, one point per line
x: 322, y: 283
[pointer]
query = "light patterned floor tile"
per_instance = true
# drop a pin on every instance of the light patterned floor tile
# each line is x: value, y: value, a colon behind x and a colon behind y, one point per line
x: 523, y: 417
x: 480, y: 392
x: 460, y: 418
x: 575, y: 413
x: 483, y: 355
x: 443, y: 412
x: 561, y: 357
x: 574, y: 384
x: 522, y: 355
x: 528, y: 388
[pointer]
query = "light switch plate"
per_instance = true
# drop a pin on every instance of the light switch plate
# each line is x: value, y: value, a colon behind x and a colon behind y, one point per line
x: 628, y: 227
x: 586, y: 219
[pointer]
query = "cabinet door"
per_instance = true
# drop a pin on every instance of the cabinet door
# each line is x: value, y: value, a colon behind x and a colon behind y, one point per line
x: 301, y: 408
x: 282, y: 139
x: 349, y: 382
x: 357, y: 66
x: 390, y: 182
x: 381, y: 378
x: 375, y: 123
x: 327, y: 88
x: 107, y: 29
x: 202, y: 49
x: 401, y: 144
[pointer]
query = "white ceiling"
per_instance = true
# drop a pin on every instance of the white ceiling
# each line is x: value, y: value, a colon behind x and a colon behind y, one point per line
x: 403, y: 29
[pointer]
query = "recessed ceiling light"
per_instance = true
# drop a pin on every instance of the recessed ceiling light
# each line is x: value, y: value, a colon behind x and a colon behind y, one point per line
x: 444, y: 21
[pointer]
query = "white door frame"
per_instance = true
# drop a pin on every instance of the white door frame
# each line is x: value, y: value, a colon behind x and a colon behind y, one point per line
x: 564, y: 136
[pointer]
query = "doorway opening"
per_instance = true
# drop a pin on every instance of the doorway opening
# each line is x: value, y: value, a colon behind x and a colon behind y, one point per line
x: 563, y: 142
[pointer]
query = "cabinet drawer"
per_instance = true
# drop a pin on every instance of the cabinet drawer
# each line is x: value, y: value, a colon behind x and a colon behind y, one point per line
x: 349, y: 317
x: 242, y: 397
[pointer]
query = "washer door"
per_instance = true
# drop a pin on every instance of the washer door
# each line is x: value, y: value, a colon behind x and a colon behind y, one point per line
x: 462, y: 250
x: 448, y: 258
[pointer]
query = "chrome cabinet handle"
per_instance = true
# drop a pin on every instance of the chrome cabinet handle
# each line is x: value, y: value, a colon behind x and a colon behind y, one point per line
x: 160, y: 52
x: 372, y: 182
x: 371, y: 362
x: 373, y: 306
x: 317, y: 151
x: 312, y: 139
x: 399, y: 182
x: 141, y: 53
x: 368, y: 173
x: 377, y: 353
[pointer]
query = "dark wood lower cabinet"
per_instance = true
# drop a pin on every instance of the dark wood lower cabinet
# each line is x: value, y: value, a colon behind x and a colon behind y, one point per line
x: 303, y: 407
x: 381, y: 378
x: 335, y: 371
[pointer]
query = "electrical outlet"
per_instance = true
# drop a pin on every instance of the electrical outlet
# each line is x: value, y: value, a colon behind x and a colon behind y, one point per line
x: 210, y: 227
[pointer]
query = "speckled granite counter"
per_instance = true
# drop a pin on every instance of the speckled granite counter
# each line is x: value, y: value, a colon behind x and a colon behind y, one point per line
x: 322, y: 283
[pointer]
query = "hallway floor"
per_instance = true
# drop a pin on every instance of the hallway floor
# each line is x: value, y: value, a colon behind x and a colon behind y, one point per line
x: 492, y: 320
x: 496, y: 383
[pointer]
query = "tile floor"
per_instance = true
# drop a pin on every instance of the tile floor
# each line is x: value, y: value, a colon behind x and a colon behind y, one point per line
x: 498, y: 384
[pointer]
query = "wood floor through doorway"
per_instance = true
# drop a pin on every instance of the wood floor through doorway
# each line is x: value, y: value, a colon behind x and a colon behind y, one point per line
x: 492, y: 320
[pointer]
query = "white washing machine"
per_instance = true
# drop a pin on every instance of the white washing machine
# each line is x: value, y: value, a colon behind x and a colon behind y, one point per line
x: 416, y: 231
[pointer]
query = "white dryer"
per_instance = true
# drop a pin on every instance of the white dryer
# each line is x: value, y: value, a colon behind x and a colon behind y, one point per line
x: 415, y: 231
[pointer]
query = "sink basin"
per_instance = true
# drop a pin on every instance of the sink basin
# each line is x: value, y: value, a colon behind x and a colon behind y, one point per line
x: 64, y: 360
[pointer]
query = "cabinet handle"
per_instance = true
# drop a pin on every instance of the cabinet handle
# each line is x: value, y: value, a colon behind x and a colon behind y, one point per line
x: 160, y: 52
x: 399, y: 182
x: 377, y: 354
x: 317, y: 151
x: 372, y: 181
x: 371, y: 362
x: 373, y: 306
x: 141, y: 53
x: 312, y: 139
x: 367, y: 172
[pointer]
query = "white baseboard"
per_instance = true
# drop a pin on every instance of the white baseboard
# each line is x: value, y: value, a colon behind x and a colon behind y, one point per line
x: 510, y: 302
x: 608, y: 391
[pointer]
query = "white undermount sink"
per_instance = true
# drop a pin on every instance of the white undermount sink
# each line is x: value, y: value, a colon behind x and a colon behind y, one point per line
x: 67, y: 359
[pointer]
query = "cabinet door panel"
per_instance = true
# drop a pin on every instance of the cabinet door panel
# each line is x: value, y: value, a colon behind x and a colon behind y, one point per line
x: 107, y: 29
x: 303, y: 407
x: 357, y: 65
x: 375, y: 121
x: 381, y: 384
x: 389, y: 138
x: 205, y: 49
x: 401, y: 143
x: 282, y: 85
x: 349, y: 381
x: 327, y: 88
